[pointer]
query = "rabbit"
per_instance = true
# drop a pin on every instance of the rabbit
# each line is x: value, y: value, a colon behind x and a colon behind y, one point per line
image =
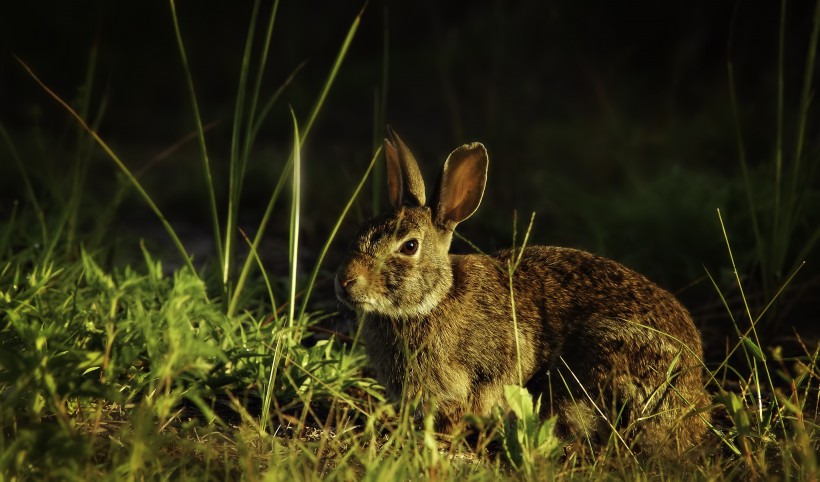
x: 605, y: 348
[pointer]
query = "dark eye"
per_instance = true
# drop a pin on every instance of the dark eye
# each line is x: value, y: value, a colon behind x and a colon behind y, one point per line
x: 409, y: 247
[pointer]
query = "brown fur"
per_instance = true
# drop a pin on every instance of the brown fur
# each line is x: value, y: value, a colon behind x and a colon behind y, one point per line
x: 602, y: 345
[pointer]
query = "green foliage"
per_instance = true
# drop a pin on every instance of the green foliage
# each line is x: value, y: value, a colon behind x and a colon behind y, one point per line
x: 781, y: 199
x: 84, y: 350
x: 764, y: 420
x: 529, y: 442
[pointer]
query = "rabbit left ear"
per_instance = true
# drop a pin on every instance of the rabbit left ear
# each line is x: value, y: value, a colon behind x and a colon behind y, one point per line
x: 461, y: 185
x: 404, y: 182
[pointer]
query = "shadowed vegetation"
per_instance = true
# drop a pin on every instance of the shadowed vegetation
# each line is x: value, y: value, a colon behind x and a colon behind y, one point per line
x: 172, y: 209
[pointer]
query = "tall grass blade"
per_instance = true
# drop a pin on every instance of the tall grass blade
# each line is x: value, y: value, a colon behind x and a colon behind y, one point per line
x: 380, y: 113
x: 128, y: 174
x: 272, y: 101
x: 5, y: 235
x: 333, y: 232
x: 752, y: 323
x: 206, y: 165
x: 293, y: 253
x: 337, y: 64
x: 797, y: 189
x: 295, y: 211
x: 32, y: 197
x: 244, y: 130
x: 806, y: 96
x: 275, y: 195
x: 744, y: 169
x: 243, y: 275
x: 250, y: 133
x: 735, y: 270
x: 512, y: 265
x: 83, y: 149
x: 778, y: 162
x: 265, y: 276
x: 237, y: 162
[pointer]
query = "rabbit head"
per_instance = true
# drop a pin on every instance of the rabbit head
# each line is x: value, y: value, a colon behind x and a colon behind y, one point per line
x: 398, y: 264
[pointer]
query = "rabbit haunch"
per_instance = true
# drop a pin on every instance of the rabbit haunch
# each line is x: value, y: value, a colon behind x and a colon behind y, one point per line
x: 601, y: 344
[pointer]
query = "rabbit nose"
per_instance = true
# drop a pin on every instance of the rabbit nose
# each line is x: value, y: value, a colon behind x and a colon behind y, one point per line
x: 343, y: 286
x: 345, y: 282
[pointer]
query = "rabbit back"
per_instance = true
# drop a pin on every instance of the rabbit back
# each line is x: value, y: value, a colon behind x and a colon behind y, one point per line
x: 619, y: 350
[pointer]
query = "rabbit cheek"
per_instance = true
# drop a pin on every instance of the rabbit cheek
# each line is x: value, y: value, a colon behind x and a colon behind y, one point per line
x: 398, y: 285
x: 415, y: 289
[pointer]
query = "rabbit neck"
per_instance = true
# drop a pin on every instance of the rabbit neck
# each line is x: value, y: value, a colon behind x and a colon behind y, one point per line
x: 406, y: 353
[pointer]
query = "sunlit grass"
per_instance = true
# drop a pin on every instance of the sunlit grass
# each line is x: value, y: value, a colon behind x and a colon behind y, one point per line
x: 140, y: 372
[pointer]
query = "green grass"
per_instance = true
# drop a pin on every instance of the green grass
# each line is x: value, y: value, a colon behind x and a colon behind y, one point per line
x: 124, y: 371
x: 135, y: 373
x: 779, y: 197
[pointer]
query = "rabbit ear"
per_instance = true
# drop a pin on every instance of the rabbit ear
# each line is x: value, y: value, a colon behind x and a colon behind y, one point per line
x: 404, y: 182
x: 461, y: 185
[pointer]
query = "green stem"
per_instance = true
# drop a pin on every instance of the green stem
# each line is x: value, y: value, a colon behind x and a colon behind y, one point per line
x: 333, y: 232
x: 206, y: 166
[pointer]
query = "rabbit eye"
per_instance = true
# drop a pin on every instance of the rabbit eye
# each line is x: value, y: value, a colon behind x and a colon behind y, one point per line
x: 409, y: 247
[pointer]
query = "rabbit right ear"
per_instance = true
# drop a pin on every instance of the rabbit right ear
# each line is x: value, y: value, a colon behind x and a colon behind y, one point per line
x: 404, y: 182
x: 461, y: 184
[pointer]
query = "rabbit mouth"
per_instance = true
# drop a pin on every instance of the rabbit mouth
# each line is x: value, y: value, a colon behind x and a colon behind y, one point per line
x: 359, y: 306
x: 366, y: 302
x: 354, y: 302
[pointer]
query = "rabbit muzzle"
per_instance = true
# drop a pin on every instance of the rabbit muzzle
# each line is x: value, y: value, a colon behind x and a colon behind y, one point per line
x: 350, y: 285
x: 340, y: 286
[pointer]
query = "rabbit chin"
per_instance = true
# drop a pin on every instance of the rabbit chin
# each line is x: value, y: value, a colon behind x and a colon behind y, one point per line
x: 386, y: 308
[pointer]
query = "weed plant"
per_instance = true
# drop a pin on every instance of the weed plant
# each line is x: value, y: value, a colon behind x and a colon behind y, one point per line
x: 207, y: 371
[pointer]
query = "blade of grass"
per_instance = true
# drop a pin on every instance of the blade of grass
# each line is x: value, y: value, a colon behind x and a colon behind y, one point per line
x: 239, y: 159
x: 351, y: 33
x: 265, y: 277
x: 206, y: 165
x: 744, y: 168
x: 83, y: 148
x: 295, y: 212
x: 237, y: 162
x: 274, y: 196
x: 512, y: 265
x: 778, y: 162
x: 15, y: 156
x: 5, y: 233
x: 739, y: 286
x: 806, y: 97
x: 118, y: 162
x: 753, y: 329
x: 796, y: 192
x: 240, y: 283
x: 271, y: 101
x: 293, y: 253
x: 332, y: 236
x: 380, y: 113
x: 100, y: 230
x: 250, y: 133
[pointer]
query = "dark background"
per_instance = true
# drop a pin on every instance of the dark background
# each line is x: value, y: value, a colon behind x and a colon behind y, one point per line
x: 611, y: 120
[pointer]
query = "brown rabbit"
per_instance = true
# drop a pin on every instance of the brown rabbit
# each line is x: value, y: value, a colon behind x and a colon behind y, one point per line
x: 604, y: 346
